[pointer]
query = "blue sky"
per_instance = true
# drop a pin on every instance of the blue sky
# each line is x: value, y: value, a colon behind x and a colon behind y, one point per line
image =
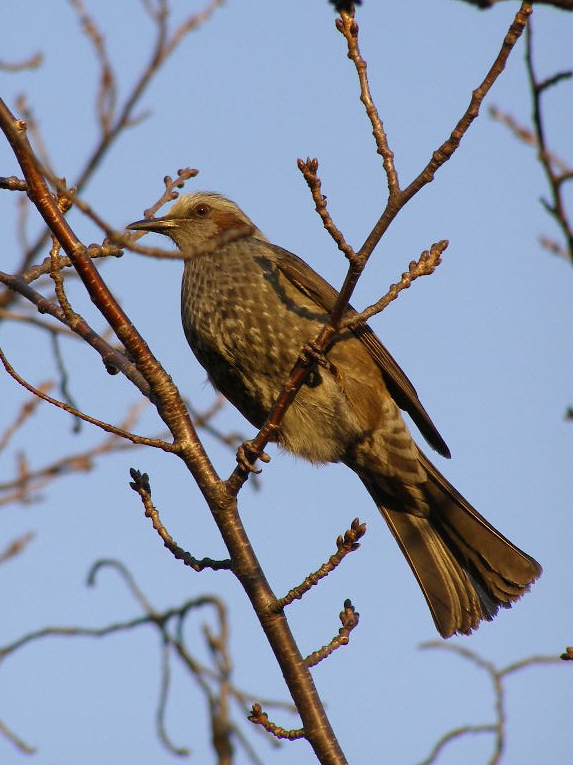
x: 486, y: 341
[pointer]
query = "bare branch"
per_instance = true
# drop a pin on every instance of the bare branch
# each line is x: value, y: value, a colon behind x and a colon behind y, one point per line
x: 32, y: 62
x: 113, y: 359
x: 108, y: 427
x: 556, y: 177
x: 347, y: 26
x: 427, y: 263
x: 349, y: 618
x: 309, y: 170
x: 449, y: 146
x: 26, y: 411
x: 140, y: 484
x: 497, y: 676
x: 170, y: 193
x: 107, y: 91
x: 17, y: 741
x: 347, y: 544
x: 259, y: 717
x: 12, y: 183
x: 162, y: 48
x: 16, y: 546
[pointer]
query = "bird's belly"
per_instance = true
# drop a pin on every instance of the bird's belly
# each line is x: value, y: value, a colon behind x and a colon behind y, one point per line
x: 318, y: 426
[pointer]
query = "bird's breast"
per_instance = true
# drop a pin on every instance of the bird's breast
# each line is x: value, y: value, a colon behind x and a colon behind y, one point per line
x: 247, y: 323
x: 239, y: 325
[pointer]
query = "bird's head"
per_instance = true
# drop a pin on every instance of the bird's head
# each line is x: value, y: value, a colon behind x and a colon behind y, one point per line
x: 196, y: 218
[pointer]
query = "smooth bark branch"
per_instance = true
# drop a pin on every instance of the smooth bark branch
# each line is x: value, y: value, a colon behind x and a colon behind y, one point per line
x: 169, y: 403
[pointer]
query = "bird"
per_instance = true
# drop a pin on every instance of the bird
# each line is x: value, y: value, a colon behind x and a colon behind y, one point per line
x: 248, y: 307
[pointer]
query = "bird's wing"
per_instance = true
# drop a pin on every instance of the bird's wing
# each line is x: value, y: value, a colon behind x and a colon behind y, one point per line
x: 305, y: 278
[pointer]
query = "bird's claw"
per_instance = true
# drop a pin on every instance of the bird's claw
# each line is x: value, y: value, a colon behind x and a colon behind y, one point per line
x: 245, y: 457
x: 312, y: 352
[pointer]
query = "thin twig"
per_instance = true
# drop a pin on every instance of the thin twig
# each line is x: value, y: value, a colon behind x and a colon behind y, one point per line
x: 170, y: 193
x: 18, y: 742
x: 497, y: 676
x: 348, y: 27
x: 427, y: 263
x: 32, y: 62
x: 309, y: 170
x: 345, y: 545
x: 259, y: 717
x: 114, y: 361
x: 444, y: 152
x: 108, y: 427
x: 349, y: 618
x: 140, y: 484
x: 26, y: 411
x: 556, y: 179
x: 161, y: 50
x: 11, y: 183
x: 16, y: 546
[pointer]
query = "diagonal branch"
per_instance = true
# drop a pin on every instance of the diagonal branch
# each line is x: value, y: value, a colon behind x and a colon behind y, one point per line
x: 108, y: 427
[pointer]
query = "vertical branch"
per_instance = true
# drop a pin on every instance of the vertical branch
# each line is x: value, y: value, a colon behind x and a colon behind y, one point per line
x: 347, y: 26
x: 555, y: 178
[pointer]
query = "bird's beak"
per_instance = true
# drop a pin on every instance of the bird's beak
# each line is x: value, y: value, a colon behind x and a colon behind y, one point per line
x: 159, y: 225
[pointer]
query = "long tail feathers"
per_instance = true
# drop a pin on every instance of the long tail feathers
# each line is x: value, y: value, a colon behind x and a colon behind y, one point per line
x: 465, y: 567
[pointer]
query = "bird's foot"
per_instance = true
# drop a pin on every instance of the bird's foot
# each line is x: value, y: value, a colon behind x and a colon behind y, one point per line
x: 246, y: 457
x: 311, y: 352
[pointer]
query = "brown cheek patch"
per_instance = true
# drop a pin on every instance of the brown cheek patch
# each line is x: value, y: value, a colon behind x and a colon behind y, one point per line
x: 226, y: 219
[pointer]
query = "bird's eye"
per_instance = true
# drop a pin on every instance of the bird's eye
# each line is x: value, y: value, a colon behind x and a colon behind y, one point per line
x: 202, y: 210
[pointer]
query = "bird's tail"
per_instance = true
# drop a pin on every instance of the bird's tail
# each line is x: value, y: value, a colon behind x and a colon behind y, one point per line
x: 465, y: 567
